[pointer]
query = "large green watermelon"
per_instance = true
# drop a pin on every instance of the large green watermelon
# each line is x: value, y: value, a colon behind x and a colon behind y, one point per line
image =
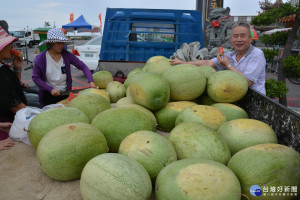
x: 118, y: 123
x: 100, y: 92
x: 150, y: 90
x: 157, y: 66
x: 204, y: 99
x: 226, y: 86
x: 124, y: 101
x: 207, y: 71
x: 131, y: 75
x: 197, y: 179
x: 116, y: 91
x: 207, y: 115
x: 49, y: 119
x: 167, y: 115
x: 195, y: 140
x: 155, y: 58
x: 102, y: 78
x: 186, y: 82
x: 150, y: 149
x: 90, y: 104
x: 231, y: 111
x: 146, y: 111
x: 242, y: 133
x: 114, y: 176
x: 64, y: 151
x: 266, y: 169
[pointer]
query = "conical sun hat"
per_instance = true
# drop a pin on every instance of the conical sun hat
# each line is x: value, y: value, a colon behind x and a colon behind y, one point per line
x: 5, y: 38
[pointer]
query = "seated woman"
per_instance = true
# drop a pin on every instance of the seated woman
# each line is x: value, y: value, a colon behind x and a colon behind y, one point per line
x: 12, y: 96
x: 52, y: 68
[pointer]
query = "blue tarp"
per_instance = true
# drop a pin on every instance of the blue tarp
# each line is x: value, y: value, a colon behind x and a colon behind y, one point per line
x: 79, y: 23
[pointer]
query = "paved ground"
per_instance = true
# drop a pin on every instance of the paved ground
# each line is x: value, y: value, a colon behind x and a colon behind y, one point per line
x: 79, y: 80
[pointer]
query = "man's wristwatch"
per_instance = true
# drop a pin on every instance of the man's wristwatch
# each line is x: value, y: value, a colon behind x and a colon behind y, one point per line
x: 228, y: 67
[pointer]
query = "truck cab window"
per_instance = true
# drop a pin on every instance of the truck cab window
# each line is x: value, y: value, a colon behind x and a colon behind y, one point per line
x: 19, y: 34
x: 152, y: 32
x: 28, y: 34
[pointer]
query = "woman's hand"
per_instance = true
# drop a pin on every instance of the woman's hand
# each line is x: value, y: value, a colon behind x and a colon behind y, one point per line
x: 24, y: 85
x: 176, y: 61
x: 93, y: 85
x: 6, y: 144
x: 55, y: 92
x: 18, y: 63
x: 5, y: 126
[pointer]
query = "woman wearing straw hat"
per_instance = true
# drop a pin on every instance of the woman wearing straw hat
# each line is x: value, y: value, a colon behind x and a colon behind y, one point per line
x: 52, y: 68
x: 12, y: 96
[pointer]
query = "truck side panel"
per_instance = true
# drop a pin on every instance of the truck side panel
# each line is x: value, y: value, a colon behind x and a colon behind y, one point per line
x: 285, y: 122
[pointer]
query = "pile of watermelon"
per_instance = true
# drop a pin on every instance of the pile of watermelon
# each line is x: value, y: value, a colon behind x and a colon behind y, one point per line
x: 173, y: 132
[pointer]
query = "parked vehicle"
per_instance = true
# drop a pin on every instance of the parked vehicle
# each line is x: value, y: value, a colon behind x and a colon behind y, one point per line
x: 26, y: 37
x: 135, y: 35
x: 89, y: 52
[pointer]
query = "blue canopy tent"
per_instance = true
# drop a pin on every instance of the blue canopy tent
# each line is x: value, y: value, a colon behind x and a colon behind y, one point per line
x: 79, y: 24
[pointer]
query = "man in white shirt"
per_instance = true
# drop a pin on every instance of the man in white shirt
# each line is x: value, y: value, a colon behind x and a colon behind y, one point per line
x: 246, y: 59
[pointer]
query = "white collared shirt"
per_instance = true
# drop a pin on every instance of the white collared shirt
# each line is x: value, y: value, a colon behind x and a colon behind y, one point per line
x: 252, y: 65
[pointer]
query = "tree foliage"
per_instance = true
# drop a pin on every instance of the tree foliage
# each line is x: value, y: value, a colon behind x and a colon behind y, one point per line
x: 272, y: 15
x: 270, y: 54
x: 265, y: 5
x: 278, y: 38
x: 292, y: 66
x: 275, y: 88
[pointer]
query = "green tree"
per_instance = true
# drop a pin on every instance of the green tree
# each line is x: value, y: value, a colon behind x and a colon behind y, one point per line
x: 265, y: 5
x: 272, y: 15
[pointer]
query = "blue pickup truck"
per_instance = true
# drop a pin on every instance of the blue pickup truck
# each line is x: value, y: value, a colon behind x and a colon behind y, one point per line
x: 138, y: 34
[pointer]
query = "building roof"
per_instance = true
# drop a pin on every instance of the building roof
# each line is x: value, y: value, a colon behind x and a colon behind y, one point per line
x: 290, y: 18
x: 41, y: 30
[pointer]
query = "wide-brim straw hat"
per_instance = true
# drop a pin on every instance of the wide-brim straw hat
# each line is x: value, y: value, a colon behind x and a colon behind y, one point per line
x: 56, y: 35
x: 5, y: 38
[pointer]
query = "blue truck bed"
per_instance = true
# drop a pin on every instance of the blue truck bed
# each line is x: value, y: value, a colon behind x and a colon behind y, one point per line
x: 138, y: 34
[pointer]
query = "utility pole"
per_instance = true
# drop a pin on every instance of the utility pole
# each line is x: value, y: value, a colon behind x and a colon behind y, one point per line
x: 205, y: 6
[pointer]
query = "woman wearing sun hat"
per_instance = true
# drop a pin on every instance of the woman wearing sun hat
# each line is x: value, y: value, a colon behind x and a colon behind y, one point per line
x: 52, y: 68
x: 12, y: 96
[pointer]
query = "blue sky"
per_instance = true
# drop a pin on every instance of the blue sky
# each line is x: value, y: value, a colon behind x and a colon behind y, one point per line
x: 34, y: 13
